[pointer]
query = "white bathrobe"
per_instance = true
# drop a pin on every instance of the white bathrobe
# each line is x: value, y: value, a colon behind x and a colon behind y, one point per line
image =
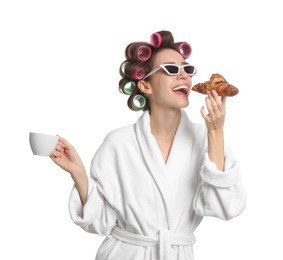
x: 149, y: 209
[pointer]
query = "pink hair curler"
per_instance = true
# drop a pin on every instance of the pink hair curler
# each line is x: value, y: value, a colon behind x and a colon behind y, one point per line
x: 185, y: 49
x: 156, y: 39
x: 143, y: 53
x: 140, y: 52
x: 138, y: 74
x: 133, y: 71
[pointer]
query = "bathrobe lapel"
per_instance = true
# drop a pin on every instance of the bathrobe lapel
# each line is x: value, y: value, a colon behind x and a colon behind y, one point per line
x: 181, y: 149
x: 165, y: 175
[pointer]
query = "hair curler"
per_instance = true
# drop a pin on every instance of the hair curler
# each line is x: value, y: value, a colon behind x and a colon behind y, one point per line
x: 122, y: 68
x: 127, y: 86
x: 184, y: 48
x: 138, y: 73
x: 140, y: 52
x: 138, y: 102
x: 156, y: 39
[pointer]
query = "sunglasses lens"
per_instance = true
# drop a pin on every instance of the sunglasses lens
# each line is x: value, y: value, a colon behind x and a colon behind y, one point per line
x: 189, y: 69
x: 172, y: 69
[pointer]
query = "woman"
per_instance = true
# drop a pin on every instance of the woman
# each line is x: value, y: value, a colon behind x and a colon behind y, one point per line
x: 152, y: 182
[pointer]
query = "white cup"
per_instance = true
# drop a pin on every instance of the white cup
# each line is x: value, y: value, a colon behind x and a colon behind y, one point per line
x: 42, y: 144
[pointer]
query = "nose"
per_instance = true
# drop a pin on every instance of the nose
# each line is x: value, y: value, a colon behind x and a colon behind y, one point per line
x: 182, y: 74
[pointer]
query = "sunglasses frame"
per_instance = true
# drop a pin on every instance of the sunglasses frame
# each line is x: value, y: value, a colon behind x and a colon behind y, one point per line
x: 163, y: 66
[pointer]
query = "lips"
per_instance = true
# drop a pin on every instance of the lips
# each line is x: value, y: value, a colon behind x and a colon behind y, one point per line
x: 181, y: 90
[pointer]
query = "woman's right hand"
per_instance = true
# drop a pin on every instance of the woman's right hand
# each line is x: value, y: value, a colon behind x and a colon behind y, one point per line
x: 67, y: 157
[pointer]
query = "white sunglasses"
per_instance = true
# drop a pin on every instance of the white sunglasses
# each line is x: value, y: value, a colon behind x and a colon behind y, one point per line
x: 173, y: 69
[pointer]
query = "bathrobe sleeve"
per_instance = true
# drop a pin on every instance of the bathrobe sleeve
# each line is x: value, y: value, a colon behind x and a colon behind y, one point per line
x: 220, y: 194
x: 97, y: 215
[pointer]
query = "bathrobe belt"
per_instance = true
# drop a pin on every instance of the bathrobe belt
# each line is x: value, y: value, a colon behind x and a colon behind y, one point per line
x: 165, y: 239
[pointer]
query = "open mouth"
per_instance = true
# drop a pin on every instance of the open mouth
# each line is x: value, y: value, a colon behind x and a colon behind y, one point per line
x: 181, y: 90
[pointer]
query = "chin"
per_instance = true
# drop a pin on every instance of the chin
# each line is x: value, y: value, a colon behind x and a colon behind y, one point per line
x: 184, y: 105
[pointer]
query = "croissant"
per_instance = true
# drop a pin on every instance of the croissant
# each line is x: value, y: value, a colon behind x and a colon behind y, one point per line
x: 217, y: 83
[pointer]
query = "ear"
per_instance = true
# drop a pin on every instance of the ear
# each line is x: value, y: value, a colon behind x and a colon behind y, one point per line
x: 145, y: 87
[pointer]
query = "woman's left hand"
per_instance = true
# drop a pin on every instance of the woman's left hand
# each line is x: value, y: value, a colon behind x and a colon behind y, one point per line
x: 216, y: 108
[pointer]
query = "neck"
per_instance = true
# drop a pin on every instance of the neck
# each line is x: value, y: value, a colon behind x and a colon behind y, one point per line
x: 164, y: 124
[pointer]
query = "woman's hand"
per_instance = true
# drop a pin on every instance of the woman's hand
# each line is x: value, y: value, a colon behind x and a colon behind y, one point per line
x: 216, y: 108
x: 67, y: 157
x: 214, y: 121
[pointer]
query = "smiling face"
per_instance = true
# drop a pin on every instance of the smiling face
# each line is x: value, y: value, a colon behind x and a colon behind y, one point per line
x: 166, y: 91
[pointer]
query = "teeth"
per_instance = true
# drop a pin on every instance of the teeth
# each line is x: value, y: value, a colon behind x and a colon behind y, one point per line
x: 180, y: 87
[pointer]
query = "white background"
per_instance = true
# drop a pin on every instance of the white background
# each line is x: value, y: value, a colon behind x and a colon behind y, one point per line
x: 59, y: 64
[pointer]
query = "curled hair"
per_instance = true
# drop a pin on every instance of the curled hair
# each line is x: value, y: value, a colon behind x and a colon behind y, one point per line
x: 139, y: 56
